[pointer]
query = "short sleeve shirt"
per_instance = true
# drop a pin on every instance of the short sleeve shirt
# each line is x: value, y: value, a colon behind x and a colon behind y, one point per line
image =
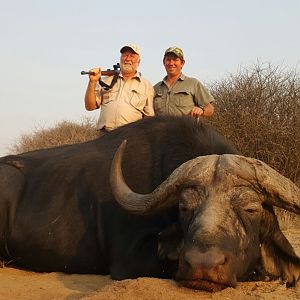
x: 180, y: 99
x: 127, y: 101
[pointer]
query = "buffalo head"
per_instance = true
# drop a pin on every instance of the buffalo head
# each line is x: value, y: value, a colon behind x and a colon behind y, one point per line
x: 226, y: 225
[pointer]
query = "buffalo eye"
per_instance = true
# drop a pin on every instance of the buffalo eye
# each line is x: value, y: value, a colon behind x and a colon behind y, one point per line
x: 190, y: 199
x: 252, y: 210
x: 249, y: 201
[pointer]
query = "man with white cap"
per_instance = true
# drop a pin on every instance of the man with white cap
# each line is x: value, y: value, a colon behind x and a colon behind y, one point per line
x: 128, y: 99
x: 178, y: 94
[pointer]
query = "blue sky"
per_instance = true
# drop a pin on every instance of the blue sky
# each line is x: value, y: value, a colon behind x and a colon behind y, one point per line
x: 46, y: 43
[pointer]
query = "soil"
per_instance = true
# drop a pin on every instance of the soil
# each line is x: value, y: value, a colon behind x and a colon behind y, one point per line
x: 19, y: 284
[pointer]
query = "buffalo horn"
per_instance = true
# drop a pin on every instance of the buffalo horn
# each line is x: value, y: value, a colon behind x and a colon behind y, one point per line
x: 279, y: 190
x: 161, y: 198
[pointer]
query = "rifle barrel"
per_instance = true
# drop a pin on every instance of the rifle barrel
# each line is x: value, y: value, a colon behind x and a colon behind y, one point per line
x: 87, y: 73
x: 104, y: 73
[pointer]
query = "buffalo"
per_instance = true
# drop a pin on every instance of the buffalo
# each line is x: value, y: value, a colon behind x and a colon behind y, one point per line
x: 176, y: 201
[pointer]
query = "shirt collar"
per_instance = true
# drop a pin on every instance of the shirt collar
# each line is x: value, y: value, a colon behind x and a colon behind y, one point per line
x: 181, y: 78
x: 137, y: 76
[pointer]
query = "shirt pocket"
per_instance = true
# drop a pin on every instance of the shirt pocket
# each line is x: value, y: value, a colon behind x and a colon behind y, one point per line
x: 183, y: 99
x: 159, y: 101
x: 109, y: 96
x: 138, y: 100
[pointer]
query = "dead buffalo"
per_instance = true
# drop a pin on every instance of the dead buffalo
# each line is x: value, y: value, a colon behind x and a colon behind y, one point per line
x: 209, y: 224
x: 226, y: 227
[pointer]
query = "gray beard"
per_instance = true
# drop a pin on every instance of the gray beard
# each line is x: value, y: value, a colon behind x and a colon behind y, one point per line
x: 127, y: 69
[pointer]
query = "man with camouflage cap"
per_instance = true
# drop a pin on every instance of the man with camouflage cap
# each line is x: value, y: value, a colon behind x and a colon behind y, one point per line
x: 178, y: 94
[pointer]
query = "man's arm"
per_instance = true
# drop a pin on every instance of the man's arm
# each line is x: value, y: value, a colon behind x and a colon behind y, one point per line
x: 209, y: 109
x: 148, y: 110
x: 203, y: 101
x: 90, y: 96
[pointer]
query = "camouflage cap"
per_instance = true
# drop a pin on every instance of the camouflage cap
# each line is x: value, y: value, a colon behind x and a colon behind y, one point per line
x: 133, y: 47
x: 175, y: 50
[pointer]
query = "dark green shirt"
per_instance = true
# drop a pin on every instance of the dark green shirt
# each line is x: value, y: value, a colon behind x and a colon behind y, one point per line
x: 180, y: 99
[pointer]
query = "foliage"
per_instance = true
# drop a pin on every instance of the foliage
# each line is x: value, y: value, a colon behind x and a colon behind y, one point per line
x: 258, y: 109
x: 65, y: 132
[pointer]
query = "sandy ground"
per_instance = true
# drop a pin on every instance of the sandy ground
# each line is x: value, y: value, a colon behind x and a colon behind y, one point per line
x: 18, y: 284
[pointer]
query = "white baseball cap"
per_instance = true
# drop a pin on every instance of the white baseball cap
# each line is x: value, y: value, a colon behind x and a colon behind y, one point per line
x: 133, y: 47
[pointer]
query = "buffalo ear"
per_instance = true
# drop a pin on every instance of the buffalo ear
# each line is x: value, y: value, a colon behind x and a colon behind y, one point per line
x: 278, y: 257
x: 170, y: 242
x: 280, y: 264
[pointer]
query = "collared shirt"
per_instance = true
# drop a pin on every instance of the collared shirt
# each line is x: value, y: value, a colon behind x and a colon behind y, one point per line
x: 127, y: 101
x: 180, y: 98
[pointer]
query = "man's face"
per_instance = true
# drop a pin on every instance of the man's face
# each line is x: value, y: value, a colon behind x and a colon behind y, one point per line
x: 173, y: 64
x: 129, y: 61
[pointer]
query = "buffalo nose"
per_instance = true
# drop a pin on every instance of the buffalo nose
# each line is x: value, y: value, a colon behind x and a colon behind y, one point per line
x: 204, y: 260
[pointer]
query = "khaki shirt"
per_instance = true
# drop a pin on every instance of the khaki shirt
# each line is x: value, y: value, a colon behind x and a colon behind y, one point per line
x: 126, y: 102
x: 180, y: 99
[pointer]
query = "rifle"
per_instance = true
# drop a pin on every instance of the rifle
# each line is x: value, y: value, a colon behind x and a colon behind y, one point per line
x: 108, y: 72
x: 115, y: 72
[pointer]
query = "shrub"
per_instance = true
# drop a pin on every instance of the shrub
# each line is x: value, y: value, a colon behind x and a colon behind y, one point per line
x: 65, y: 132
x: 258, y: 109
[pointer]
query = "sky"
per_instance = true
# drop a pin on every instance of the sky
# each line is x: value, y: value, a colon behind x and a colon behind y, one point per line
x: 46, y: 43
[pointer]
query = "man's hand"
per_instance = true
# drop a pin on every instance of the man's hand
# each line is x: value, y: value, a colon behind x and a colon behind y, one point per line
x: 197, y: 112
x: 96, y: 74
x: 207, y: 111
